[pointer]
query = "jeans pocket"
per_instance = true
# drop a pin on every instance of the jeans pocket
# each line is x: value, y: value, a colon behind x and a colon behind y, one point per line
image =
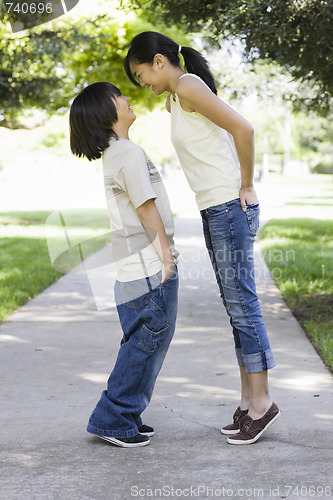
x: 217, y: 210
x: 154, y: 327
x: 252, y: 215
x: 173, y: 276
x: 149, y: 341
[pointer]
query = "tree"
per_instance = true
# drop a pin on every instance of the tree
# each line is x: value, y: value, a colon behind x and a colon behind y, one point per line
x: 263, y: 93
x: 295, y: 33
x: 28, y: 14
x: 314, y: 138
x: 44, y: 68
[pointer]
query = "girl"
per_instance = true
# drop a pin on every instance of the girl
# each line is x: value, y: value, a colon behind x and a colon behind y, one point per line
x: 143, y: 249
x: 211, y: 141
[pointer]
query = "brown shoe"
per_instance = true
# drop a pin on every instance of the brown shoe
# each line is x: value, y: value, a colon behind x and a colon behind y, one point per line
x: 251, y: 430
x: 234, y: 427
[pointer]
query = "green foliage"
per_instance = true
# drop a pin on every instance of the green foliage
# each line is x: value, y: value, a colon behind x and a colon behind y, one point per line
x: 264, y: 94
x: 324, y: 165
x: 313, y: 136
x: 259, y: 91
x: 28, y: 14
x: 44, y: 68
x: 296, y: 34
x: 52, y: 140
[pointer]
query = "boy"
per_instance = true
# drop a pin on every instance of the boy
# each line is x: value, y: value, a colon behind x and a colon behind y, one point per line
x: 142, y: 246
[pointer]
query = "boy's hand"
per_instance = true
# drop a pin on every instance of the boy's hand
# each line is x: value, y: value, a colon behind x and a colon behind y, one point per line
x: 167, y: 270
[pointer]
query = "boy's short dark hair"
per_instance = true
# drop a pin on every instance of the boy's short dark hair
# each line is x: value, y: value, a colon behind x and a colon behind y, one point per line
x: 92, y: 114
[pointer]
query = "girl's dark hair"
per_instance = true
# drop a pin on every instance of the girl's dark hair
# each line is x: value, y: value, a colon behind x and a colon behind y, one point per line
x: 92, y: 114
x: 146, y: 45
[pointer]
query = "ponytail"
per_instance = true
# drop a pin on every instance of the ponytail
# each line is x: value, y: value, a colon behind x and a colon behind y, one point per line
x: 195, y: 63
x: 146, y: 45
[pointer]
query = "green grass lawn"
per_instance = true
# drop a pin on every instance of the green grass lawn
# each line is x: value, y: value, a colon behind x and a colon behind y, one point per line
x: 299, y: 253
x: 25, y: 264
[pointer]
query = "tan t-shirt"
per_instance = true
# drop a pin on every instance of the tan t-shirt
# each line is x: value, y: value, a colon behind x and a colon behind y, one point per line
x: 130, y: 179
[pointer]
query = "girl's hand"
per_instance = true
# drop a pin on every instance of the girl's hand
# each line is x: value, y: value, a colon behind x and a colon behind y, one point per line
x: 247, y: 196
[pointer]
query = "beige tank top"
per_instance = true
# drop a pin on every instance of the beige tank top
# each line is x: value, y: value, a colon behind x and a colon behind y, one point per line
x: 207, y: 155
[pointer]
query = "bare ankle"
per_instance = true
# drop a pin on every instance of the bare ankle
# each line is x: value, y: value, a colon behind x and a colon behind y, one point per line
x: 257, y: 409
x: 244, y: 403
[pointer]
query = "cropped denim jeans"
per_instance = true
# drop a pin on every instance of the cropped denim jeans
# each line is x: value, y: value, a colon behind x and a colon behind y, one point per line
x: 148, y: 324
x: 229, y: 234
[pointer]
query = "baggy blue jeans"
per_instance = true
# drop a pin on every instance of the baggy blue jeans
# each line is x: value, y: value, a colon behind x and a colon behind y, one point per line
x: 148, y: 324
x: 229, y: 235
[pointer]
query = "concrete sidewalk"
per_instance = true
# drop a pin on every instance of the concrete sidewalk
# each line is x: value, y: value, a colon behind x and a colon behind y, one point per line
x: 58, y: 350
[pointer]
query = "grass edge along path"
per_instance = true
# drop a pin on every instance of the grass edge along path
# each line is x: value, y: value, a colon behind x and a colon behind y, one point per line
x: 299, y: 255
x: 25, y: 265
